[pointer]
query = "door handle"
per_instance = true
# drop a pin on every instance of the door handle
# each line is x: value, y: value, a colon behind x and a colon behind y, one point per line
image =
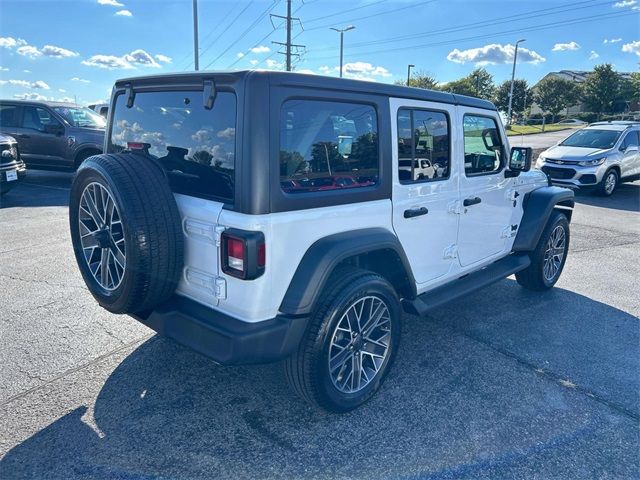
x: 415, y: 212
x: 471, y: 201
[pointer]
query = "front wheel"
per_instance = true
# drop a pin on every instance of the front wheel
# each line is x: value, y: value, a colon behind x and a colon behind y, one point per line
x: 350, y: 344
x: 547, y: 260
x: 609, y: 183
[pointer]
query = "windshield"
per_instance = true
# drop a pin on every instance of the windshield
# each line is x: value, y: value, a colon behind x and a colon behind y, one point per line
x: 592, y: 138
x: 81, y: 117
x: 195, y: 146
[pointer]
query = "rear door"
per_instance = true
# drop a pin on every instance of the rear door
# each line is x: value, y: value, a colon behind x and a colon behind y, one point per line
x: 42, y: 136
x: 630, y: 154
x: 422, y: 134
x: 485, y: 194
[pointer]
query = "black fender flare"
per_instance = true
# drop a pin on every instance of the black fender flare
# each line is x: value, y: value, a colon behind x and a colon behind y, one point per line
x: 538, y: 206
x: 324, y: 255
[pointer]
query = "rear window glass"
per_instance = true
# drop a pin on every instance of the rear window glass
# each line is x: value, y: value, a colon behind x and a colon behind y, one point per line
x: 194, y: 145
x: 327, y: 146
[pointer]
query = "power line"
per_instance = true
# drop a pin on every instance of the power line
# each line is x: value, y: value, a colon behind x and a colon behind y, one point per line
x: 345, y: 11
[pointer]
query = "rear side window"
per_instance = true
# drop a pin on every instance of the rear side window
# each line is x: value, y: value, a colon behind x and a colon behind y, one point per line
x: 482, y: 146
x: 8, y: 116
x: 423, y: 145
x: 37, y: 118
x: 327, y: 146
x: 194, y: 145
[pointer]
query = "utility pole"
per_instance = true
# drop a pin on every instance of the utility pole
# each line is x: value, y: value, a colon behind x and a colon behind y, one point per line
x: 513, y: 76
x: 288, y: 45
x: 196, y: 56
x: 341, y: 31
x: 409, y: 67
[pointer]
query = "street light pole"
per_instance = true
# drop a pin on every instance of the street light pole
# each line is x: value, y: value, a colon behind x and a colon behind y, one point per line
x: 513, y: 76
x: 341, y: 31
x: 409, y: 67
x: 196, y: 59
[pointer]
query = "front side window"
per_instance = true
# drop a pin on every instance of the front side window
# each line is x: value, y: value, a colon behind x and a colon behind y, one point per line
x: 327, y: 146
x: 81, y: 117
x: 37, y: 118
x: 423, y: 145
x: 8, y: 116
x: 483, y: 149
x: 195, y: 146
x: 631, y: 140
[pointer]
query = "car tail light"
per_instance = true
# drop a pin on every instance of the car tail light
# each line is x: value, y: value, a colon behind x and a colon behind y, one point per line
x: 243, y: 253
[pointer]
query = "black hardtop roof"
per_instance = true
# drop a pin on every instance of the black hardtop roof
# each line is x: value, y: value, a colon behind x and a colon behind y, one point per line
x: 310, y: 81
x: 48, y: 103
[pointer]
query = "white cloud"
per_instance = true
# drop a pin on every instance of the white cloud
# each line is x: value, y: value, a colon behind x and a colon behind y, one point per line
x: 260, y: 49
x: 57, y: 52
x: 593, y: 55
x: 113, y: 3
x: 364, y: 70
x: 239, y: 54
x: 273, y: 64
x: 4, y: 69
x: 325, y: 69
x: 137, y: 57
x: 30, y: 96
x: 37, y: 85
x: 27, y: 71
x: 612, y: 40
x: 633, y: 47
x: 124, y: 13
x: 163, y: 58
x: 494, y: 54
x: 10, y: 42
x: 625, y: 3
x: 82, y: 80
x: 29, y: 51
x: 140, y: 57
x: 560, y: 47
x: 110, y: 62
x: 254, y: 62
x: 62, y: 90
x: 307, y: 71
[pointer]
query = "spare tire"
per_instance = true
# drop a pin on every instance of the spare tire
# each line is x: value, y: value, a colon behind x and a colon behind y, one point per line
x: 126, y: 231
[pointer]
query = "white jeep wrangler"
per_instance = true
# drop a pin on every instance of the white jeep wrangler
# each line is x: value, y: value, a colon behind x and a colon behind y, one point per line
x: 263, y: 216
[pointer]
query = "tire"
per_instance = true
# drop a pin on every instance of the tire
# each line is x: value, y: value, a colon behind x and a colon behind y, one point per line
x: 307, y: 370
x: 82, y: 156
x: 609, y: 183
x: 536, y: 277
x: 141, y: 238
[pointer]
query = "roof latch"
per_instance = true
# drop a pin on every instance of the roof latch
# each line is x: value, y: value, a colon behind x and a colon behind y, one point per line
x: 209, y: 94
x: 130, y: 95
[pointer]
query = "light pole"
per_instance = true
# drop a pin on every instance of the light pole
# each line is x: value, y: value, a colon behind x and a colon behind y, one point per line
x: 341, y: 31
x: 513, y: 75
x: 409, y: 67
x: 196, y: 60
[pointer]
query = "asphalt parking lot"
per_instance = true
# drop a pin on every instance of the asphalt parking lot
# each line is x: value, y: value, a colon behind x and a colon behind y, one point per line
x: 503, y: 384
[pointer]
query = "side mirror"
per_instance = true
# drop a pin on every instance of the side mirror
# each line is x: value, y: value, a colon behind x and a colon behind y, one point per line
x: 54, y: 129
x: 520, y: 160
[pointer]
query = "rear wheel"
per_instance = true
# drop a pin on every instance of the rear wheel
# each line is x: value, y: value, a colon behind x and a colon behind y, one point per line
x: 609, y: 183
x: 350, y: 344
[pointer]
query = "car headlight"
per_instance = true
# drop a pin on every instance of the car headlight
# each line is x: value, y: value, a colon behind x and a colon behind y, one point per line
x: 592, y: 163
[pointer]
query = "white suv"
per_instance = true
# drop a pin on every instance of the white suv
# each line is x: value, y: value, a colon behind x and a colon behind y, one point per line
x: 599, y: 156
x: 263, y: 216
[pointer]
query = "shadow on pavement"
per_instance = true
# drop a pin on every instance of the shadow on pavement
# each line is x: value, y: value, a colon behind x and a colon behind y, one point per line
x: 465, y: 400
x: 626, y: 197
x: 40, y: 188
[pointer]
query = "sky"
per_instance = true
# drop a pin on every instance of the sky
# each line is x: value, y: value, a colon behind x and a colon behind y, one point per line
x: 74, y: 50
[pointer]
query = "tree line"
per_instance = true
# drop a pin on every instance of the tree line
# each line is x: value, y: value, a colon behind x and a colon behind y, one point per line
x: 604, y: 91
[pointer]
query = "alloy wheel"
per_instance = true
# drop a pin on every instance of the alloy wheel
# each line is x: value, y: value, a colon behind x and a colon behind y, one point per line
x: 360, y: 344
x: 554, y: 253
x: 102, y: 236
x: 610, y: 183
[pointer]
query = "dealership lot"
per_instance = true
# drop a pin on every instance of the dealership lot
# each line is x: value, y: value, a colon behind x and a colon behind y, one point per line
x: 503, y: 384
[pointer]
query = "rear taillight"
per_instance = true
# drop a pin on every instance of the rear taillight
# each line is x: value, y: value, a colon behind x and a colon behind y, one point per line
x: 243, y: 253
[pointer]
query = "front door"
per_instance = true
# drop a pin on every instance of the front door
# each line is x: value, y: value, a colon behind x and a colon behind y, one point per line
x: 425, y: 186
x: 42, y: 138
x: 485, y: 196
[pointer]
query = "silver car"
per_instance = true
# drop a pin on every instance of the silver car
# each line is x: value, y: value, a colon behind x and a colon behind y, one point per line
x: 599, y: 156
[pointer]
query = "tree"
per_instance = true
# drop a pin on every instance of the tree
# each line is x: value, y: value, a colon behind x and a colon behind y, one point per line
x: 420, y: 79
x: 522, y: 96
x: 553, y: 94
x: 602, y: 89
x: 478, y: 83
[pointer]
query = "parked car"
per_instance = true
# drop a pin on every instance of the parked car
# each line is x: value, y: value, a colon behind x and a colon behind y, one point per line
x: 225, y: 260
x: 52, y: 135
x: 12, y: 168
x: 573, y: 121
x: 100, y: 108
x: 599, y: 156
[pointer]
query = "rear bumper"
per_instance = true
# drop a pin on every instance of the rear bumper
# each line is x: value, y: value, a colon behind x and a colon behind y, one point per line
x: 223, y: 338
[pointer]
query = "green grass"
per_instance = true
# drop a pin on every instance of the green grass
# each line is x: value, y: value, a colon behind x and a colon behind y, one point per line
x: 531, y: 129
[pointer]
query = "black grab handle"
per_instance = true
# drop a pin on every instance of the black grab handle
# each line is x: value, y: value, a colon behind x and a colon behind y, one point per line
x: 471, y: 201
x: 415, y: 212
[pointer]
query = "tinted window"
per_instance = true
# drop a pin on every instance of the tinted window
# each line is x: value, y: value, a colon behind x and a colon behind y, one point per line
x: 37, y: 118
x: 327, y: 146
x: 81, y: 117
x: 423, y: 145
x: 631, y: 140
x: 8, y: 116
x: 194, y: 145
x: 482, y: 145
x: 592, y: 138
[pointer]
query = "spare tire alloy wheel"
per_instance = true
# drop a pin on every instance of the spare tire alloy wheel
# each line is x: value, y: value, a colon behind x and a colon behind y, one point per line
x: 102, y: 236
x: 359, y: 344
